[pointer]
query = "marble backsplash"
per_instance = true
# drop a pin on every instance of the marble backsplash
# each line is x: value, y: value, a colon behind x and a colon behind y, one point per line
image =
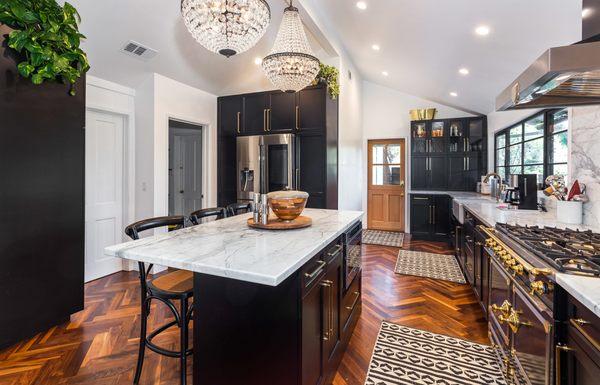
x: 585, y: 158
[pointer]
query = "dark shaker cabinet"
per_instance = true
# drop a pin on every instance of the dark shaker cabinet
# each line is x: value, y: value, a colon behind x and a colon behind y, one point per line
x: 255, y: 113
x: 282, y: 112
x: 430, y: 216
x: 42, y: 162
x: 229, y: 126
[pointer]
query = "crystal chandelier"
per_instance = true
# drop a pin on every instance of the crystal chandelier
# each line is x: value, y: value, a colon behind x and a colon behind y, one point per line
x: 291, y: 65
x: 227, y: 27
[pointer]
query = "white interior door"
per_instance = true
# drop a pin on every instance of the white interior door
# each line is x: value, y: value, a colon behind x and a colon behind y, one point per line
x: 103, y: 192
x: 187, y: 171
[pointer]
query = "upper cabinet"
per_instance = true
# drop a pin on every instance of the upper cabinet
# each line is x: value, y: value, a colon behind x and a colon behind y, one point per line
x: 230, y: 115
x: 448, y: 154
x: 256, y: 110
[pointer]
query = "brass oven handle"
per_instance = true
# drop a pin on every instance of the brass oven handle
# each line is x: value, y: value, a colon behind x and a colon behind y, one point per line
x: 316, y: 271
x: 578, y: 324
x: 297, y: 117
x: 513, y: 321
x: 238, y: 122
x: 357, y: 294
x: 505, y: 308
x: 557, y: 350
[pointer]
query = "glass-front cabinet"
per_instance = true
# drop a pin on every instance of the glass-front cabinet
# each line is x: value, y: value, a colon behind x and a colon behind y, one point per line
x: 428, y: 137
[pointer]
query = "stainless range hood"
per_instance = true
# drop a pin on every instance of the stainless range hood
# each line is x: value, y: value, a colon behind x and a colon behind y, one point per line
x: 562, y: 76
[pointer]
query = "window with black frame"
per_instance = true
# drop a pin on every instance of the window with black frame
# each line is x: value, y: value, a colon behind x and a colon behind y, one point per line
x: 536, y: 145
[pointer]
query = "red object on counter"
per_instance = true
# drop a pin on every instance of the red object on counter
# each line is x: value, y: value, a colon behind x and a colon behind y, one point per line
x: 575, y: 190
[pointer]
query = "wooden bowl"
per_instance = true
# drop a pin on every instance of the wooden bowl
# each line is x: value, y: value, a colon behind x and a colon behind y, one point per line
x: 288, y: 205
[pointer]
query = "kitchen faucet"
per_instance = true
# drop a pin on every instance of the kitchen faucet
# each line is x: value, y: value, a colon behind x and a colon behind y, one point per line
x: 498, y: 190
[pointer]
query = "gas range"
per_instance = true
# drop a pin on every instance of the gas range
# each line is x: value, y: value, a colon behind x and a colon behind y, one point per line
x: 564, y: 250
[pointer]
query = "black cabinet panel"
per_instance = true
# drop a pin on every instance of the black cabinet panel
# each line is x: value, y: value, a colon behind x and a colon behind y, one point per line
x: 311, y: 109
x: 420, y: 215
x: 282, y: 113
x: 441, y: 216
x: 255, y: 113
x: 438, y: 172
x: 430, y: 216
x: 311, y: 178
x: 230, y: 115
x: 230, y: 121
x: 312, y: 314
x: 419, y: 172
x: 456, y: 172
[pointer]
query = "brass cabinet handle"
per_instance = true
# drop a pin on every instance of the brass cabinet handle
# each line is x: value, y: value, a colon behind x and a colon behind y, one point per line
x: 504, y: 309
x: 265, y: 120
x: 579, y: 324
x: 513, y: 321
x: 537, y: 287
x: 338, y: 248
x: 297, y: 117
x: 238, y: 122
x: 268, y: 119
x: 328, y: 324
x: 557, y: 353
x: 357, y: 294
x: 316, y: 271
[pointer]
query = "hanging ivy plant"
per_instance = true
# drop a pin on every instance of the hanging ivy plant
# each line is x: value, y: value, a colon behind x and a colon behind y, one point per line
x: 330, y: 76
x: 47, y: 37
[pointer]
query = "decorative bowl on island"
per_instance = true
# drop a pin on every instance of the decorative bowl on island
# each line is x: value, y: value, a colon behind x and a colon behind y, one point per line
x: 287, y: 205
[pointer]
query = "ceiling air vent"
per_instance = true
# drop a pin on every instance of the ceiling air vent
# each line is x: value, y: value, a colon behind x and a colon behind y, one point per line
x: 138, y: 50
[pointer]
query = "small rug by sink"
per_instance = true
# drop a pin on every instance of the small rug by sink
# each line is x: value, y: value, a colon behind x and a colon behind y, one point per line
x: 383, y: 238
x: 403, y: 355
x: 430, y: 265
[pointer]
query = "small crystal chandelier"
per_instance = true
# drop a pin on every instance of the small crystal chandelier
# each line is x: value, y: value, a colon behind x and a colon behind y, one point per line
x: 227, y: 27
x: 291, y: 65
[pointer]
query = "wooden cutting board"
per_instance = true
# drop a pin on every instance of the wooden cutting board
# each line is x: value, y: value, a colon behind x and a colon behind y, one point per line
x: 277, y: 224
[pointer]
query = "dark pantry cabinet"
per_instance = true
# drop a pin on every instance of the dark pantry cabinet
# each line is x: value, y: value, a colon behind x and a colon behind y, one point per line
x: 42, y: 202
x: 430, y: 216
x: 310, y: 114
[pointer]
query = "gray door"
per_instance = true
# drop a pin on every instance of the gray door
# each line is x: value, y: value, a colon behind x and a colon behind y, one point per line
x: 185, y: 182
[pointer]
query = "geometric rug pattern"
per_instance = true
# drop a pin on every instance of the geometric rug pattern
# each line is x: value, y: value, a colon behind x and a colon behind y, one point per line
x: 404, y: 355
x: 383, y: 238
x: 422, y: 264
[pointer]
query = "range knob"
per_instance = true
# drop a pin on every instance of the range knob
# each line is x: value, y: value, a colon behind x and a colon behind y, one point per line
x: 538, y: 287
x: 510, y: 261
x: 502, y: 253
x: 498, y: 249
x: 517, y: 269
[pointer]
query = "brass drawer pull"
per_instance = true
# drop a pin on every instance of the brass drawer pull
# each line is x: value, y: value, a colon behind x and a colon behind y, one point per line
x: 357, y: 294
x: 316, y: 271
x: 238, y: 122
x: 338, y: 248
x: 297, y: 117
x: 557, y: 350
x: 578, y: 324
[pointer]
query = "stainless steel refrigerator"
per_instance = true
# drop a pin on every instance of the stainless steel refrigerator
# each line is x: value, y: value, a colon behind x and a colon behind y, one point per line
x: 265, y: 163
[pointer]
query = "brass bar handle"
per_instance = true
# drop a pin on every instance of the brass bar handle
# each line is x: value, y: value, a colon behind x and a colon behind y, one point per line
x: 433, y: 216
x: 297, y: 179
x: 265, y: 120
x: 327, y: 325
x: 420, y: 199
x: 357, y: 294
x: 316, y: 271
x: 338, y: 248
x: 557, y: 360
x: 297, y: 117
x: 238, y: 122
x: 268, y: 119
x: 578, y: 324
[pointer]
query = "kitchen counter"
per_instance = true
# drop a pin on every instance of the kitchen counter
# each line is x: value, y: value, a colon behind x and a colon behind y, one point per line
x: 229, y: 248
x: 585, y: 289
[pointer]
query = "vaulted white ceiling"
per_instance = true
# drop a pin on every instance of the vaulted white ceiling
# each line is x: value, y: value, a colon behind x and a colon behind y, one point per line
x: 109, y: 24
x: 423, y: 43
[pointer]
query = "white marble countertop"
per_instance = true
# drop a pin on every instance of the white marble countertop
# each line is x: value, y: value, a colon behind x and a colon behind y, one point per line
x: 229, y: 248
x: 585, y: 289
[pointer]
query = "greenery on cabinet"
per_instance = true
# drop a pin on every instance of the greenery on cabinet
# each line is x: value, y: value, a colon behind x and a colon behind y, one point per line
x: 47, y: 36
x: 330, y: 76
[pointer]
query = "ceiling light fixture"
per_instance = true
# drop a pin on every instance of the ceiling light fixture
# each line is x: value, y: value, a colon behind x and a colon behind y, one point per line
x: 291, y: 65
x: 361, y: 5
x: 375, y: 47
x: 384, y: 73
x: 227, y: 27
x: 482, y: 30
x: 257, y: 61
x: 463, y: 71
x: 453, y: 94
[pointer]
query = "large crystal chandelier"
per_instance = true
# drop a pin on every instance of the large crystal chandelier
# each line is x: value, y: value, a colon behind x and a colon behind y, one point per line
x: 291, y: 65
x: 226, y: 26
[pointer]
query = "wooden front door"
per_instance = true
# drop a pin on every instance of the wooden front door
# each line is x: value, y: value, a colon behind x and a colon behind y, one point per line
x: 386, y: 185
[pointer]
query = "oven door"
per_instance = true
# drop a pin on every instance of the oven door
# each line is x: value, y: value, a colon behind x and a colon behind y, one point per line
x: 352, y: 254
x: 533, y: 340
x: 499, y: 299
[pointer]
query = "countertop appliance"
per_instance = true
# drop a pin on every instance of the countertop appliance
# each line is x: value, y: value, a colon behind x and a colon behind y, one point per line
x: 265, y: 163
x: 524, y: 319
x: 352, y: 254
x: 527, y: 191
x: 561, y: 76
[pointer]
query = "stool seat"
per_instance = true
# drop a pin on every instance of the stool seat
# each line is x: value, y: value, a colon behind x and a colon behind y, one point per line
x: 178, y: 281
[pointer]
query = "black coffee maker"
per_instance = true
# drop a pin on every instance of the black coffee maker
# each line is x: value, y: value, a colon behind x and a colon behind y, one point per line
x: 523, y: 192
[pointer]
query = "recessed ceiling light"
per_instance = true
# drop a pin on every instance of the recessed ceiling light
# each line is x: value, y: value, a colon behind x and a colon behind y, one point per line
x: 375, y: 47
x: 384, y: 73
x: 257, y: 61
x: 482, y: 30
x: 463, y: 71
x: 586, y: 12
x: 361, y: 5
x: 453, y: 94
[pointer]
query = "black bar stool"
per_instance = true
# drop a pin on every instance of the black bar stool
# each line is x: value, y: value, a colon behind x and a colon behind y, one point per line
x: 239, y: 208
x: 217, y: 212
x: 176, y: 285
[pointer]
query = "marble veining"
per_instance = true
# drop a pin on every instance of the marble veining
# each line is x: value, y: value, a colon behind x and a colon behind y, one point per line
x: 585, y: 158
x: 229, y: 248
x: 585, y: 289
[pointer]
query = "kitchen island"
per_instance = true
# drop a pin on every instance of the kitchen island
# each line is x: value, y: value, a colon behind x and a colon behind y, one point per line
x: 269, y: 306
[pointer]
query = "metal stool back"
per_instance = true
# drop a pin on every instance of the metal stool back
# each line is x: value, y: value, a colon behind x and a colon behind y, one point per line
x: 151, y: 291
x: 217, y: 212
x: 239, y: 208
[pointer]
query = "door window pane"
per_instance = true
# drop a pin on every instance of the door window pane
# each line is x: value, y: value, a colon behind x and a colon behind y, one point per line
x: 515, y: 154
x: 501, y: 141
x: 534, y: 128
x: 386, y: 153
x: 560, y: 148
x: 537, y: 169
x: 534, y: 151
x: 386, y: 175
x: 559, y: 121
x: 501, y: 157
x: 516, y: 134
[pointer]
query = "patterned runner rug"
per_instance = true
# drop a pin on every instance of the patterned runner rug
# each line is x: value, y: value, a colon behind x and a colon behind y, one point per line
x: 437, y: 266
x: 383, y: 238
x: 407, y: 356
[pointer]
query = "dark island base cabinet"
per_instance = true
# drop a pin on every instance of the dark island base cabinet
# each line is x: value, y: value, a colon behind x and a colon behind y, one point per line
x: 430, y: 217
x: 309, y: 114
x: 293, y: 333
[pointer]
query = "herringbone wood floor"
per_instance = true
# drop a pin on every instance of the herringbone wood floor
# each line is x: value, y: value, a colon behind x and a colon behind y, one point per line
x: 99, y: 345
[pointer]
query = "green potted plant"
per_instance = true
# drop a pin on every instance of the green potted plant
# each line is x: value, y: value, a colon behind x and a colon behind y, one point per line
x: 46, y: 37
x: 329, y: 75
